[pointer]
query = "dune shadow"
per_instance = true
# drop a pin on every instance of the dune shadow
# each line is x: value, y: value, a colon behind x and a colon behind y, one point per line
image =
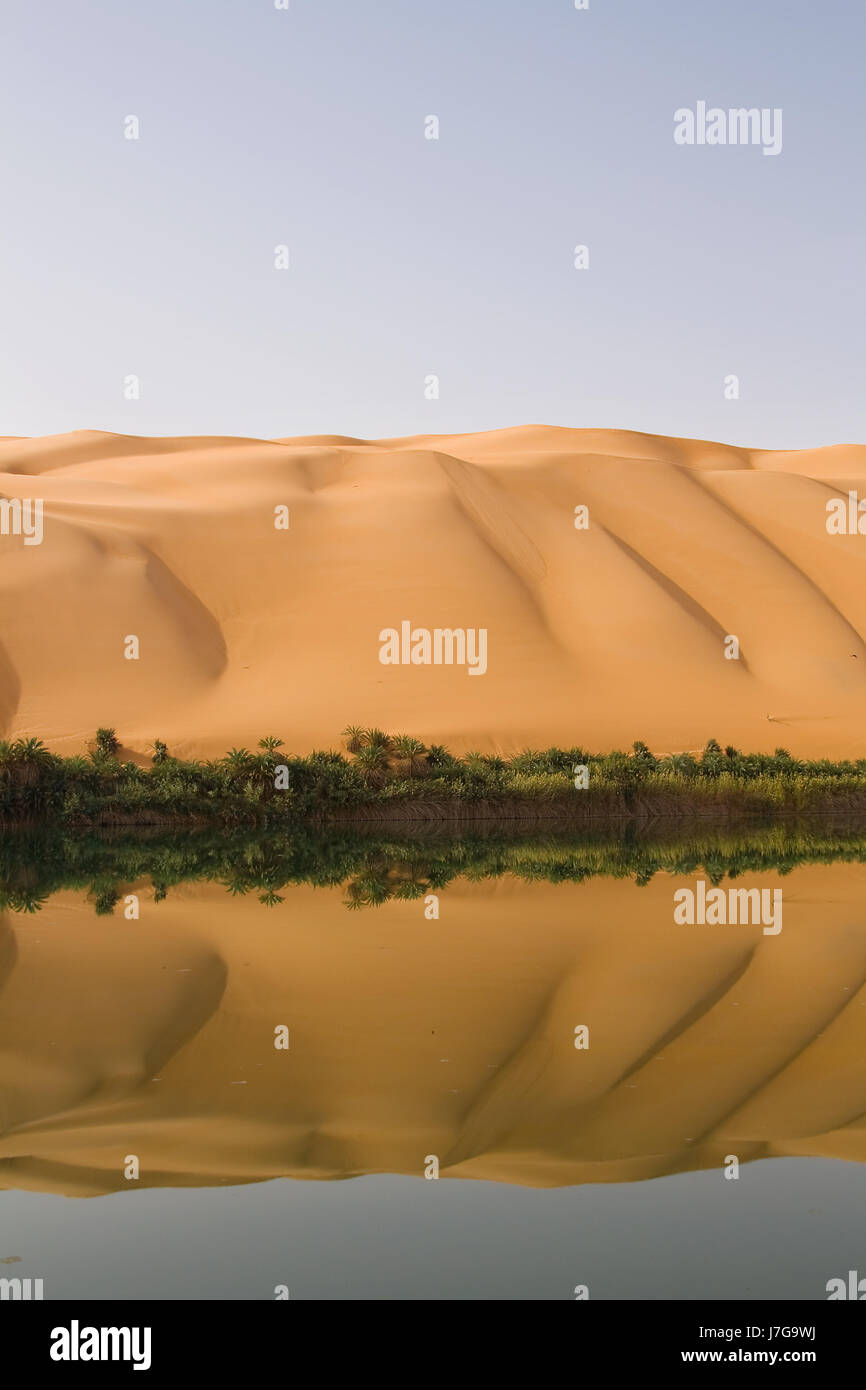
x: 10, y: 690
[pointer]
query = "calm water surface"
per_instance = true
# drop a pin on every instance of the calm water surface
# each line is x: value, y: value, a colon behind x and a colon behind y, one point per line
x: 147, y: 1045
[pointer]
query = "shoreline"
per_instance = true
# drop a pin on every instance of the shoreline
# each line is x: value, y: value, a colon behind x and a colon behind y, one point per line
x: 419, y: 813
x: 395, y: 780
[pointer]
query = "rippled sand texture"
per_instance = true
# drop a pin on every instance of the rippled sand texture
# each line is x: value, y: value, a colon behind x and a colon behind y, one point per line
x: 595, y: 638
x: 411, y: 1037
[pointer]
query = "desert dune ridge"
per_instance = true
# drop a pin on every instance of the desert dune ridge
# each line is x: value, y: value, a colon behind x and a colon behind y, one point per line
x: 258, y: 575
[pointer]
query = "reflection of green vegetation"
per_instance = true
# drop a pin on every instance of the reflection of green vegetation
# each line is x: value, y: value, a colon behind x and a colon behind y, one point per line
x: 393, y: 777
x: 375, y: 869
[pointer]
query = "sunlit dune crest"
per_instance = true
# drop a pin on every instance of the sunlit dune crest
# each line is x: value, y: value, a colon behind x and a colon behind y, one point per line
x: 595, y: 636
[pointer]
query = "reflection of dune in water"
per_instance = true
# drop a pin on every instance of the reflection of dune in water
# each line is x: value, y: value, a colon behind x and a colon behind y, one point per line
x: 411, y: 1038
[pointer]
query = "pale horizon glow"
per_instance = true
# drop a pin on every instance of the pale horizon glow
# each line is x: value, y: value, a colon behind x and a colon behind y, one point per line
x: 412, y: 257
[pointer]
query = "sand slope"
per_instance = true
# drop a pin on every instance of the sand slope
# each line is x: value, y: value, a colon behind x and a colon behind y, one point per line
x: 596, y: 637
x: 411, y: 1038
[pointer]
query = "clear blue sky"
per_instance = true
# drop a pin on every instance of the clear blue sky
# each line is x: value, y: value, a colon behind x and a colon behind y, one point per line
x: 409, y: 256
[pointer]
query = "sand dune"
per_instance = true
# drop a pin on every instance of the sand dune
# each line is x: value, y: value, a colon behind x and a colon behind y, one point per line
x: 595, y: 637
x: 410, y: 1038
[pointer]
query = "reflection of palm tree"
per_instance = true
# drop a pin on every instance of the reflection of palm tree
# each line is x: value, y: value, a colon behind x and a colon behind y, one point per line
x: 371, y: 888
x: 105, y: 900
x: 235, y: 884
x: 355, y: 899
x: 411, y: 889
x: 24, y: 900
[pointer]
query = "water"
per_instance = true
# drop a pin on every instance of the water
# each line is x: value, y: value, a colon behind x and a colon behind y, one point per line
x: 146, y: 1046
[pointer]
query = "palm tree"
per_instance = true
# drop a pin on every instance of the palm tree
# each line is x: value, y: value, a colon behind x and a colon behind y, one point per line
x: 29, y: 756
x: 411, y: 752
x: 440, y: 758
x: 270, y: 744
x: 494, y: 763
x: 238, y: 759
x: 265, y: 763
x: 474, y: 760
x: 76, y: 766
x: 34, y: 749
x: 372, y: 763
x: 354, y: 736
x: 641, y: 754
x: 376, y: 738
x: 107, y: 742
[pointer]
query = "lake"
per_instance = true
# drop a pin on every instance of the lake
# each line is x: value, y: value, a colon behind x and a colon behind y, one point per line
x: 225, y: 1096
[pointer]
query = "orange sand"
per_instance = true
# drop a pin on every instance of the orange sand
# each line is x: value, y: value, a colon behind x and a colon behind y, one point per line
x: 595, y: 638
x: 410, y: 1037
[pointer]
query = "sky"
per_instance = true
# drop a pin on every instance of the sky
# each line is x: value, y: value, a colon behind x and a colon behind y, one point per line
x: 411, y: 257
